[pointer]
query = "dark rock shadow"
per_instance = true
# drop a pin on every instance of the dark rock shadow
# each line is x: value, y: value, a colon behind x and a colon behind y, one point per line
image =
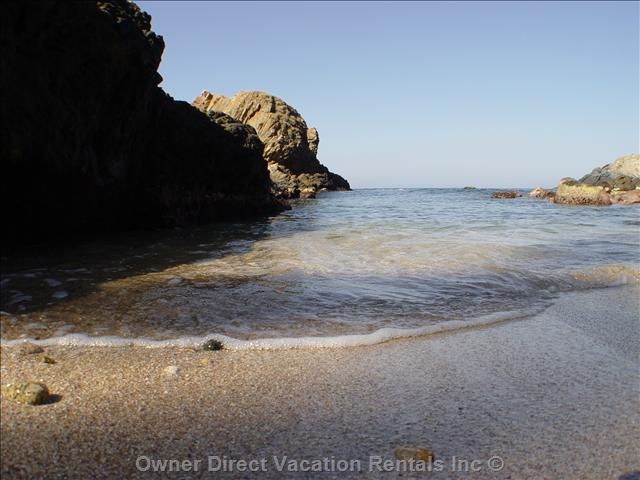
x: 52, y: 398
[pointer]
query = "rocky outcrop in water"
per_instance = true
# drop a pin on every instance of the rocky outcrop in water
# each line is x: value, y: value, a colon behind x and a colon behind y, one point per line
x: 290, y: 147
x: 506, y: 194
x: 622, y: 174
x: 540, y: 192
x: 91, y: 143
x: 618, y: 182
x: 626, y: 198
x: 571, y: 192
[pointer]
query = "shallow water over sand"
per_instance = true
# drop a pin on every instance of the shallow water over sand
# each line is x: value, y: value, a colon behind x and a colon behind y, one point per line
x: 345, y: 263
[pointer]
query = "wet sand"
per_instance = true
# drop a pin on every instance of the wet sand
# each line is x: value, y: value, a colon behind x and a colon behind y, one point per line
x: 556, y: 396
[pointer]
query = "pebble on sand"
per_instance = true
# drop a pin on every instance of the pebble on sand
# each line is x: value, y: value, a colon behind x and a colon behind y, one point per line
x: 213, y: 345
x: 31, y: 393
x: 171, y: 371
x: 415, y: 453
x: 29, y: 348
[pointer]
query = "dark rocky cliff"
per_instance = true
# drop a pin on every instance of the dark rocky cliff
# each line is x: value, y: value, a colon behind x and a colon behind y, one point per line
x: 89, y: 142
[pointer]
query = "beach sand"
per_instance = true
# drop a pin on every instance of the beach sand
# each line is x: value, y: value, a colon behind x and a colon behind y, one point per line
x: 556, y: 396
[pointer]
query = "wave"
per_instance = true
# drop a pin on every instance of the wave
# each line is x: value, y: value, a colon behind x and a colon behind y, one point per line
x: 343, y: 341
x: 332, y: 314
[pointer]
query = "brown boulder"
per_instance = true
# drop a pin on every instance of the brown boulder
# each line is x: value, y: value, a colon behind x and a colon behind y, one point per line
x: 571, y: 192
x: 540, y: 192
x: 506, y: 194
x: 290, y: 147
x: 626, y: 198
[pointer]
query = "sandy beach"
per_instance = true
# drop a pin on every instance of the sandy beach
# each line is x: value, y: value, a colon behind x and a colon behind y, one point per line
x: 554, y: 396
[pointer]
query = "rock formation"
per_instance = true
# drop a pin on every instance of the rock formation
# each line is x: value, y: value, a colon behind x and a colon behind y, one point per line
x: 622, y: 174
x: 618, y: 182
x: 290, y: 147
x: 626, y: 198
x: 540, y: 192
x: 91, y: 143
x: 506, y: 194
x: 571, y: 192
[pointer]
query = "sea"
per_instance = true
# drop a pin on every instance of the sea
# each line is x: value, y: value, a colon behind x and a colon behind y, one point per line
x: 345, y: 269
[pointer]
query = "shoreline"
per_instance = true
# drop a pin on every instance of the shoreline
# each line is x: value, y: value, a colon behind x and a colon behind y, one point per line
x: 554, y: 395
x: 349, y: 340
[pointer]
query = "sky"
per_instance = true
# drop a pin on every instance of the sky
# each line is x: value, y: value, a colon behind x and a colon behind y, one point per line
x: 433, y: 94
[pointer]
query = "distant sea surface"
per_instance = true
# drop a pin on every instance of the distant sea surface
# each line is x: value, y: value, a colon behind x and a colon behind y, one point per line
x: 343, y: 269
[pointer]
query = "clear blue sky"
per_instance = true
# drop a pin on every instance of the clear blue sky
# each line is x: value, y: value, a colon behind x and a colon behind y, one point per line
x: 426, y: 94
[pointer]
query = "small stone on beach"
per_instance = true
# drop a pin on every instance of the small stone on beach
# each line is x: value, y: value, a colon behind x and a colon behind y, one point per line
x: 415, y: 453
x: 213, y: 345
x: 30, y: 393
x: 171, y: 371
x: 29, y: 349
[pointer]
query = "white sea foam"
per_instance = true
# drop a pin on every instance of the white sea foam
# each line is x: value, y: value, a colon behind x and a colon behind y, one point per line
x: 343, y: 341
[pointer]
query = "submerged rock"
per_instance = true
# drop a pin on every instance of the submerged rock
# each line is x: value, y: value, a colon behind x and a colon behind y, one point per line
x: 30, y: 393
x: 92, y: 143
x: 290, y: 147
x: 506, y: 194
x: 415, y: 453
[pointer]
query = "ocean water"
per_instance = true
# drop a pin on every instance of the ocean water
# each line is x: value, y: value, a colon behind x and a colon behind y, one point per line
x: 346, y: 268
